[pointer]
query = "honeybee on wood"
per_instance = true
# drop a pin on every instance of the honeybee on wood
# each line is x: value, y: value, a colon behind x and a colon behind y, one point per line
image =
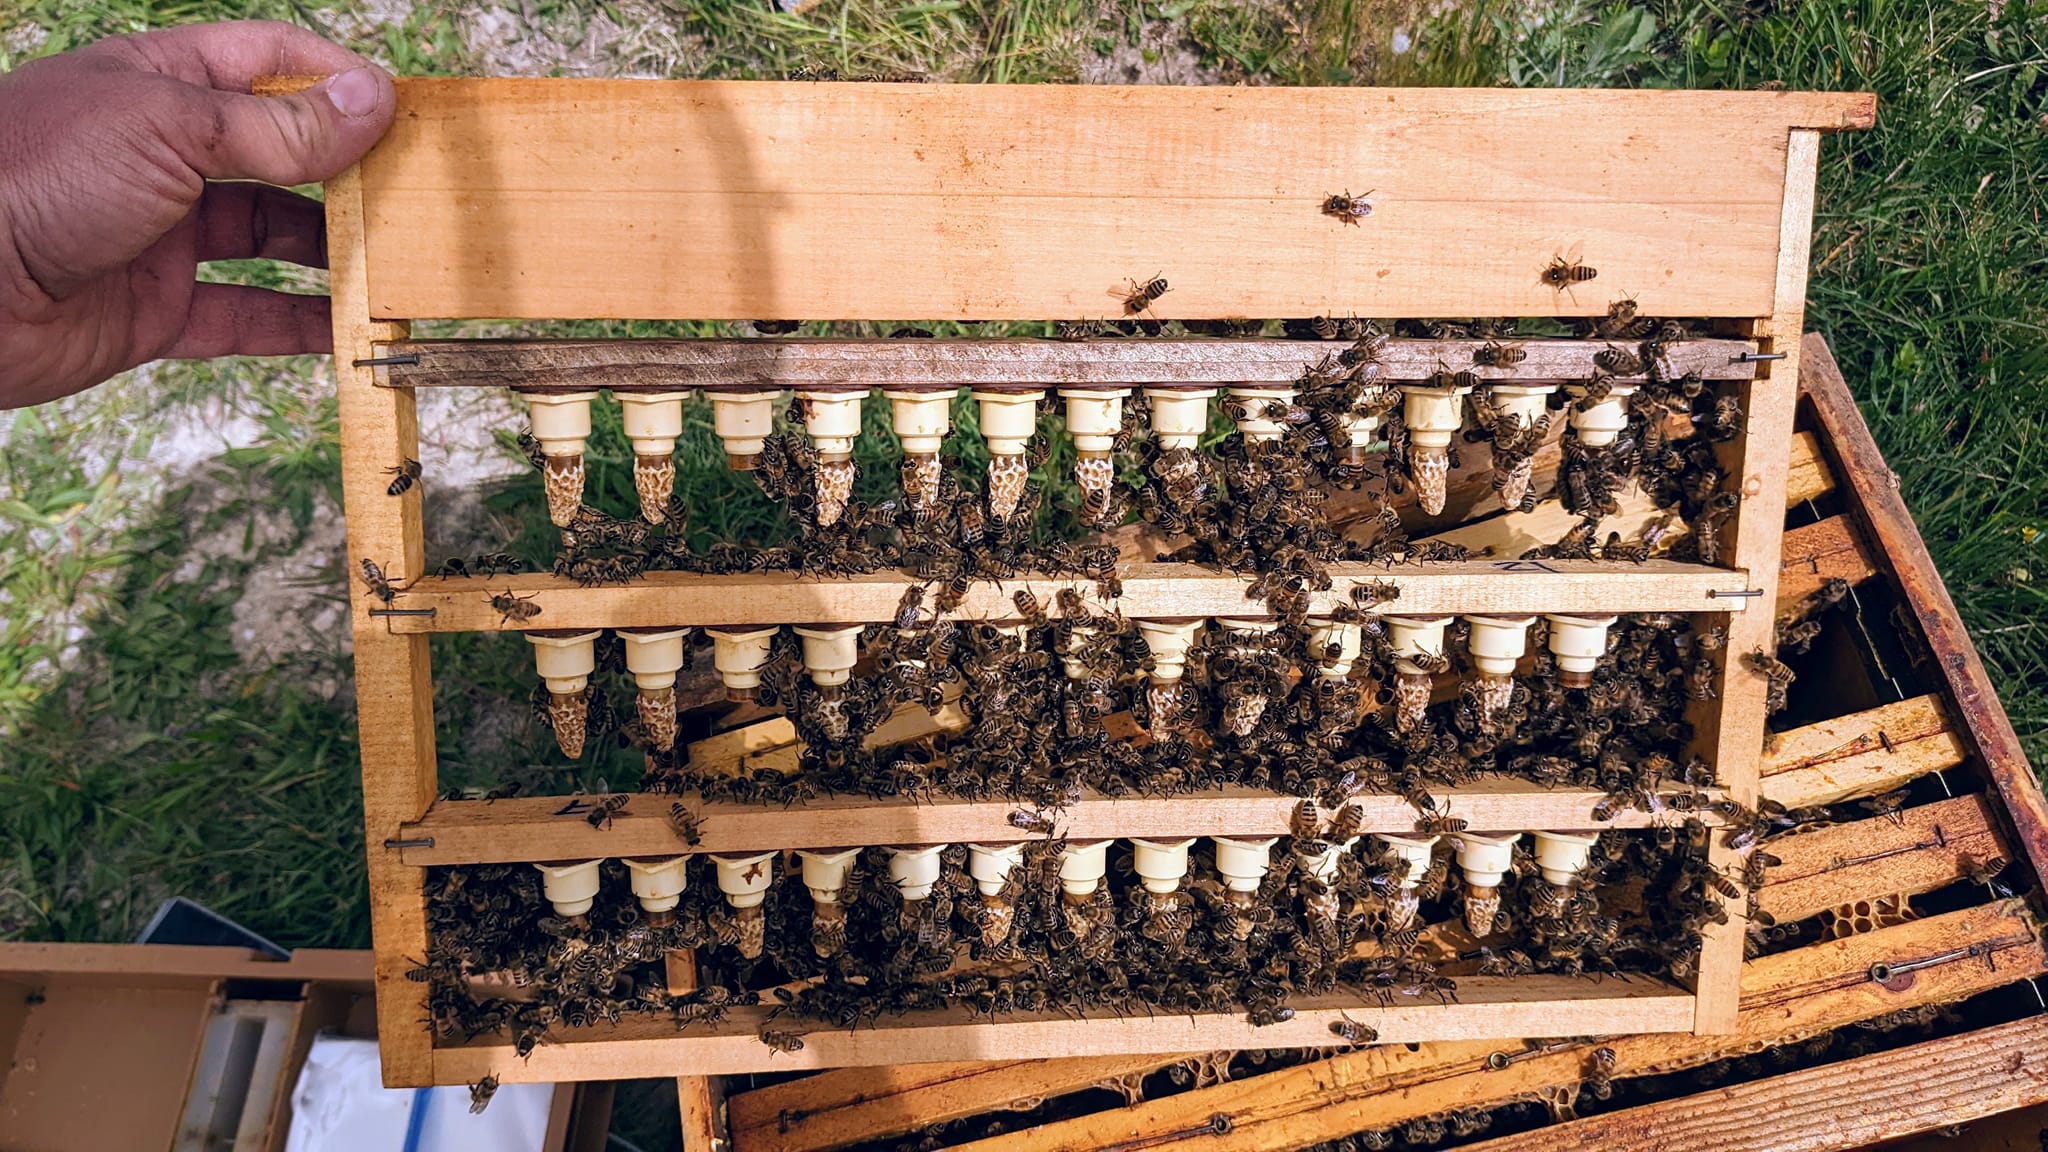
x: 381, y: 588
x: 1139, y: 296
x: 512, y: 606
x: 1618, y: 361
x: 782, y: 1041
x: 601, y: 816
x: 1346, y: 207
x: 907, y: 608
x: 1036, y: 823
x: 1563, y: 272
x: 1352, y: 1032
x: 405, y: 476
x: 1494, y: 354
x: 683, y: 823
x: 480, y: 1093
x: 1371, y: 592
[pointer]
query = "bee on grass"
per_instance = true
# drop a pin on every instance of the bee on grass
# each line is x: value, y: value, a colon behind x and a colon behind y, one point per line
x: 404, y: 477
x: 1346, y: 207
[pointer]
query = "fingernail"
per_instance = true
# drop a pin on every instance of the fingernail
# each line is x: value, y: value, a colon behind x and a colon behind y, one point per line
x: 354, y: 93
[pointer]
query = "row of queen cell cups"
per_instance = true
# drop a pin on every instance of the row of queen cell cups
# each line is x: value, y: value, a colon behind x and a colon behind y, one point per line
x: 566, y: 660
x: 922, y: 418
x: 1162, y: 865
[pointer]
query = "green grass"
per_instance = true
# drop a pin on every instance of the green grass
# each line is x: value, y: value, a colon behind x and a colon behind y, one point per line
x: 142, y: 756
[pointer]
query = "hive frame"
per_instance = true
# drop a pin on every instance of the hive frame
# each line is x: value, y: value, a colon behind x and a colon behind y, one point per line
x: 1724, y: 178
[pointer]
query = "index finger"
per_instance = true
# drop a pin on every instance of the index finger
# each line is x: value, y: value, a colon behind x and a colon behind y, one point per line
x: 228, y: 57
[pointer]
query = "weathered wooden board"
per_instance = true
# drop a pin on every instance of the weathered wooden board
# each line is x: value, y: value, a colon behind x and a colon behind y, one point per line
x: 1150, y: 592
x: 1937, y: 1084
x: 653, y: 365
x: 1861, y: 754
x: 1914, y: 850
x: 559, y: 199
x: 1830, y: 549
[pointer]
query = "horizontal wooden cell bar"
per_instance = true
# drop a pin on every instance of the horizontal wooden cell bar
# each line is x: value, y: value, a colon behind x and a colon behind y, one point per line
x: 1912, y: 851
x: 557, y: 828
x: 659, y: 365
x: 1935, y: 1084
x: 1484, y: 1007
x: 1786, y: 998
x: 1862, y: 754
x: 1150, y: 592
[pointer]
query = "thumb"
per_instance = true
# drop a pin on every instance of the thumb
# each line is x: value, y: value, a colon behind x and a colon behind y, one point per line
x: 301, y: 138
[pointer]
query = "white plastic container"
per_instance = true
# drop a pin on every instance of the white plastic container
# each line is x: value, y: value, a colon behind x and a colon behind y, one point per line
x: 653, y: 422
x: 1094, y: 416
x: 830, y: 653
x: 1561, y: 856
x: 1243, y: 864
x: 745, y: 879
x: 654, y: 655
x: 1416, y: 637
x: 1485, y: 859
x: 915, y: 870
x: 564, y: 660
x: 1497, y: 642
x: 1179, y: 415
x: 992, y: 864
x: 1347, y: 638
x: 1323, y: 865
x: 1599, y: 423
x: 658, y: 882
x: 1082, y: 867
x: 1527, y: 403
x: 1078, y: 638
x: 921, y: 419
x: 1252, y: 626
x: 1255, y: 426
x: 570, y: 885
x: 1416, y: 850
x: 561, y: 421
x: 1162, y: 864
x: 1169, y: 641
x: 1578, y: 642
x: 832, y: 419
x: 1008, y: 419
x: 743, y: 421
x: 825, y: 871
x: 739, y: 654
x: 1433, y: 415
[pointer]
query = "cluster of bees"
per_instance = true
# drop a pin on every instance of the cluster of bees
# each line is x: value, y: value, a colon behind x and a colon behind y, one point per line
x: 1061, y: 703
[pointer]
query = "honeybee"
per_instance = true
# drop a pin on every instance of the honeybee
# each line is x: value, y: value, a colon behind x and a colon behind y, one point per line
x: 512, y: 606
x: 907, y: 608
x: 1494, y: 354
x: 601, y: 816
x: 1140, y: 296
x: 1618, y: 361
x: 1346, y: 207
x: 1440, y: 823
x: 775, y: 327
x: 406, y: 475
x: 381, y: 588
x: 1562, y: 273
x: 1352, y: 1032
x: 684, y: 823
x: 480, y: 1093
x: 782, y: 1041
x: 1036, y: 823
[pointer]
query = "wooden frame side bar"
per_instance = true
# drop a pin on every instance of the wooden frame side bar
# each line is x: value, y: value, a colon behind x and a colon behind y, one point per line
x: 394, y: 686
x: 1756, y: 463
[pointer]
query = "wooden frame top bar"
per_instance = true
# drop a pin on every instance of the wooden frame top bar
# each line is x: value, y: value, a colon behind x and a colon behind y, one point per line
x: 517, y: 830
x: 737, y: 200
x: 1150, y: 591
x: 664, y: 365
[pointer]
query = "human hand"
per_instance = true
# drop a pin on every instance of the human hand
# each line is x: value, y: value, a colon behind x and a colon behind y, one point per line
x: 110, y: 162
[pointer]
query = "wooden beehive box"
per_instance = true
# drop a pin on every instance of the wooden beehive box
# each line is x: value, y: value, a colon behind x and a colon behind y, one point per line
x: 737, y: 201
x: 1894, y: 697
